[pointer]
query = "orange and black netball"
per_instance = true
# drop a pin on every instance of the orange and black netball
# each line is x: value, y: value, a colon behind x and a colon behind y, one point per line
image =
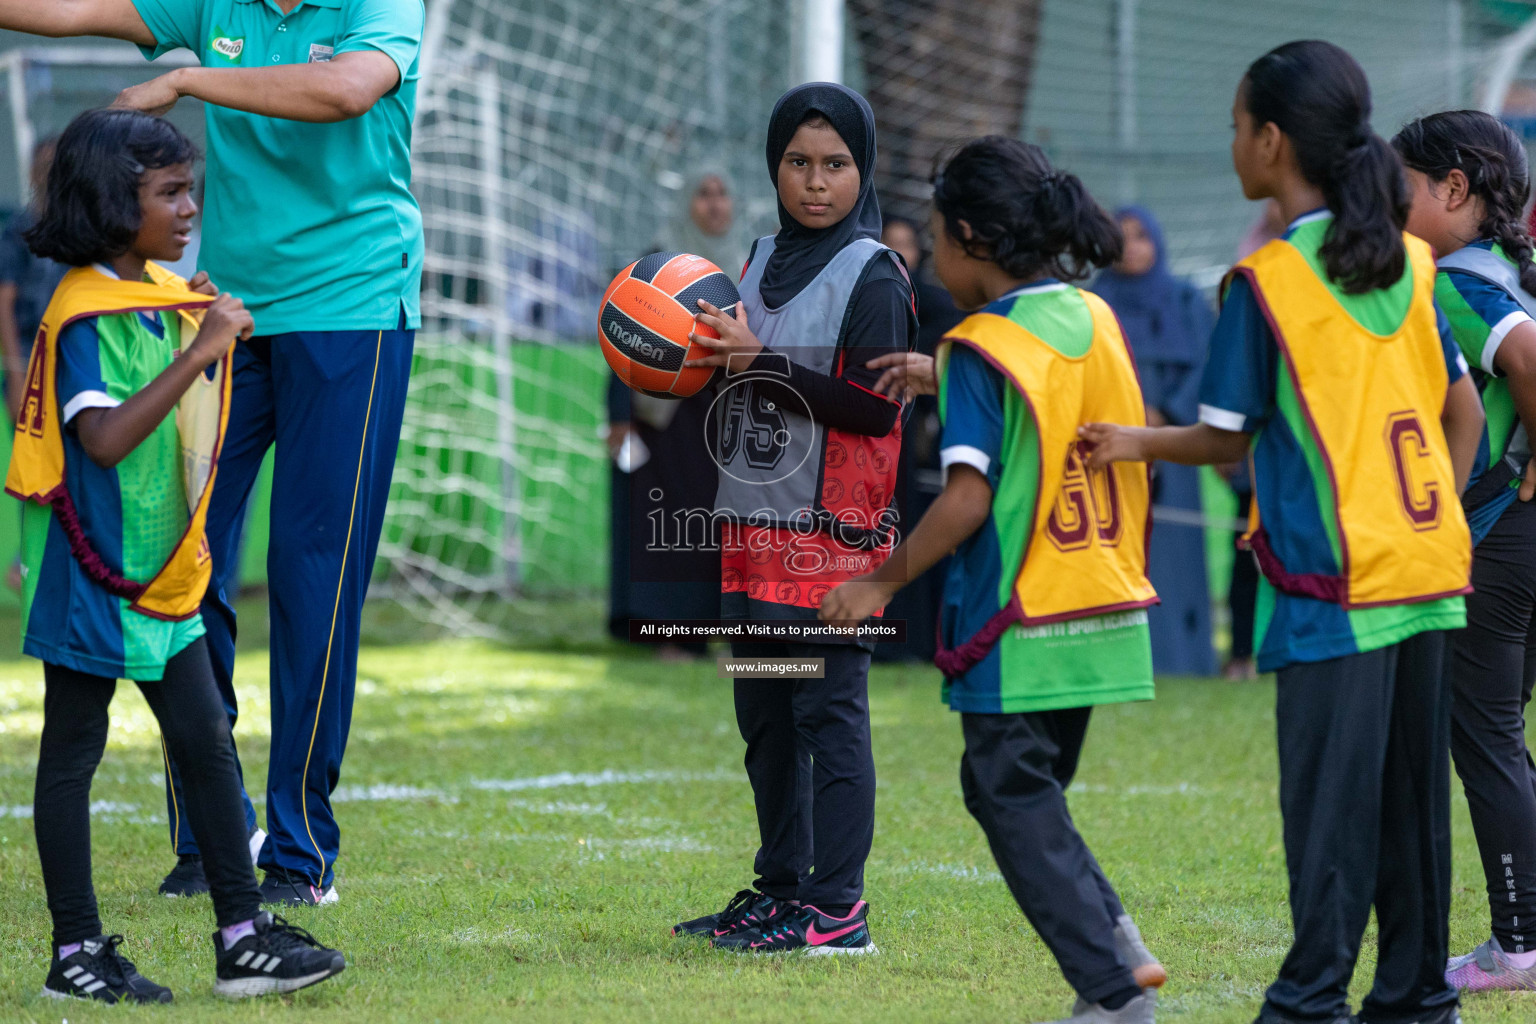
x: 646, y: 317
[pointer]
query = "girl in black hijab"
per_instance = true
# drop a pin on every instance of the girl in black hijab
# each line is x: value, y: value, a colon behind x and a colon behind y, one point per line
x: 808, y: 454
x: 802, y: 250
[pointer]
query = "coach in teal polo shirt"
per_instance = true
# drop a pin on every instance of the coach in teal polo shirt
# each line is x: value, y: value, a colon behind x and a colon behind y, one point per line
x: 313, y: 225
x: 311, y: 221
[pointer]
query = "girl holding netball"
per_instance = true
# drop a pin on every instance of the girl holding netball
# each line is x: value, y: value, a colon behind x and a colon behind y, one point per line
x: 808, y: 453
x: 1333, y: 367
x: 1043, y: 610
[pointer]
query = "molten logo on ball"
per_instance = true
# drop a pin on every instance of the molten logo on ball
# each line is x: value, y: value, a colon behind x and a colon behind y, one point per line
x: 637, y: 343
x: 647, y: 315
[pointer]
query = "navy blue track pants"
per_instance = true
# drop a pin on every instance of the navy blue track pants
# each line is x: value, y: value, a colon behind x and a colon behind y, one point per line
x: 332, y: 403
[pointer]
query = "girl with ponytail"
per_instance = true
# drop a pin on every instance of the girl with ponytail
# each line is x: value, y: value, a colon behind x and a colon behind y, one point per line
x: 1469, y: 181
x: 1036, y: 359
x: 1332, y: 361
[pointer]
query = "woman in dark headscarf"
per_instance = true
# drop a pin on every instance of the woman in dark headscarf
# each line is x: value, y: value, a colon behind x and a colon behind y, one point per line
x: 808, y: 455
x: 921, y: 479
x: 665, y: 563
x: 1167, y: 323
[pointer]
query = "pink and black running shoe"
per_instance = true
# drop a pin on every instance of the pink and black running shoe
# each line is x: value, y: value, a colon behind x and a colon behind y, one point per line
x: 809, y: 929
x: 748, y: 910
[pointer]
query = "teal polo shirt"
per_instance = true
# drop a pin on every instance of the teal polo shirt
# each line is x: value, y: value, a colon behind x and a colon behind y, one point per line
x: 312, y: 225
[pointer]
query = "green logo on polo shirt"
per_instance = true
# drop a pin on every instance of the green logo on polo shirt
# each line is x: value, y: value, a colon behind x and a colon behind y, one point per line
x: 226, y: 47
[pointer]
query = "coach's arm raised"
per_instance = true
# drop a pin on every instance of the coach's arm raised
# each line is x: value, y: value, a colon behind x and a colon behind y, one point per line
x: 344, y: 87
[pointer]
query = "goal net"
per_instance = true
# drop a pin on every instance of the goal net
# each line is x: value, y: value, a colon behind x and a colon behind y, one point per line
x: 552, y: 140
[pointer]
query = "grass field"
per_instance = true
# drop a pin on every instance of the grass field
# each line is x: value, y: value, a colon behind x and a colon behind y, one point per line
x: 521, y: 829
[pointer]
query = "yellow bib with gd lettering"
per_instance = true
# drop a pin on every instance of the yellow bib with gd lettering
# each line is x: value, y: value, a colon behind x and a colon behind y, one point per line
x: 1372, y: 403
x: 37, y: 457
x: 1087, y: 548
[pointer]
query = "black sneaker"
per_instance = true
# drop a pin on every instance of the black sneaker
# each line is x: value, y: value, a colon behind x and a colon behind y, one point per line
x: 291, y: 889
x: 98, y: 971
x: 1444, y: 1015
x: 277, y: 958
x: 747, y: 909
x: 809, y: 929
x: 186, y: 878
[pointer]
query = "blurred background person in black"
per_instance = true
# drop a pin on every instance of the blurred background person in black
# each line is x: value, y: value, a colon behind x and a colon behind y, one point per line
x: 919, y: 480
x: 26, y: 284
x: 666, y: 563
x: 1243, y: 594
x: 1167, y: 323
x: 26, y: 287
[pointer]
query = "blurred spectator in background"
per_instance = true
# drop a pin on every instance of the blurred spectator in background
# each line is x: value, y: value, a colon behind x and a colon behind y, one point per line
x: 936, y: 312
x: 662, y: 467
x: 919, y: 480
x: 705, y: 224
x: 1168, y: 325
x: 553, y: 282
x: 26, y: 285
x: 1244, y: 590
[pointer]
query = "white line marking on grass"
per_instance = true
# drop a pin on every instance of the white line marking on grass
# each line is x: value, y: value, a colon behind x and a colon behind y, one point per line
x: 1179, y: 789
x: 653, y: 844
x: 595, y: 847
x: 607, y: 777
x: 485, y: 936
x: 560, y: 807
x: 107, y: 810
x: 113, y: 807
x: 383, y: 791
x: 446, y: 833
x: 961, y: 871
